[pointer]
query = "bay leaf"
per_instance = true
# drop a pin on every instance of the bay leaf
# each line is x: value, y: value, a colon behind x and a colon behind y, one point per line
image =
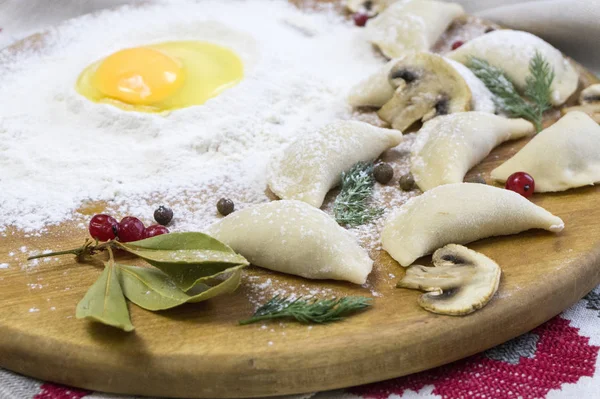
x: 104, y: 301
x: 188, y: 258
x: 152, y: 289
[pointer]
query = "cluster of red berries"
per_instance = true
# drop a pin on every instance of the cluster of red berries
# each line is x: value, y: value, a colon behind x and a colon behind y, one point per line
x: 105, y: 228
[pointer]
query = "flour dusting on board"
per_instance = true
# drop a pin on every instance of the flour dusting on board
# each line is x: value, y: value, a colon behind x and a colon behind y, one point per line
x: 60, y: 150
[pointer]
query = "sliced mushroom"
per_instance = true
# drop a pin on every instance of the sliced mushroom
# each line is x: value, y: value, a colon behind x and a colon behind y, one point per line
x: 590, y: 103
x: 590, y: 95
x: 461, y: 282
x: 370, y: 6
x: 425, y: 86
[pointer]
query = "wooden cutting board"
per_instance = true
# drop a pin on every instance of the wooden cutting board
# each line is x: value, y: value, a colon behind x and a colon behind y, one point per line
x: 199, y: 350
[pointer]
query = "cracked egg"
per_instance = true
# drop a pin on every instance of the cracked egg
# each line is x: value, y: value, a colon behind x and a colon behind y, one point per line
x: 162, y: 77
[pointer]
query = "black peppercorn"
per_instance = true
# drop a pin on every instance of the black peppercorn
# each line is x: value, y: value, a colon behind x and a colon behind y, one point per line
x: 407, y: 182
x: 225, y: 206
x: 383, y: 173
x: 163, y: 215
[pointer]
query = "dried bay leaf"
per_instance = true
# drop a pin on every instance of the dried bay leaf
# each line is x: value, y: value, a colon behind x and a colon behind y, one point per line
x: 188, y: 258
x: 104, y: 301
x: 153, y: 290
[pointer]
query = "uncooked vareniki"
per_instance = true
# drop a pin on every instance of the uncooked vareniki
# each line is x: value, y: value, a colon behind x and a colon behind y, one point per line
x: 377, y: 89
x: 411, y: 25
x: 563, y: 156
x: 296, y: 238
x: 312, y: 164
x: 448, y: 146
x: 459, y: 213
x: 512, y: 50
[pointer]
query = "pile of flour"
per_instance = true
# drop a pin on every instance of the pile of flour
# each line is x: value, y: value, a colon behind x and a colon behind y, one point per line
x: 59, y: 150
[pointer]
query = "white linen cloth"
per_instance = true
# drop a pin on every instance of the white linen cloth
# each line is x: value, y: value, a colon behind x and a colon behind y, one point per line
x: 571, y: 25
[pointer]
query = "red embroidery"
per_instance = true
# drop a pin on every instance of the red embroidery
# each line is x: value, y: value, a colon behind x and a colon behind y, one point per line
x: 562, y: 356
x: 51, y: 391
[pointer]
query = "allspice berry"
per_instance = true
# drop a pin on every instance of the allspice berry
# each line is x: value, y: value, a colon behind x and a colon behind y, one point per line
x: 225, y: 206
x: 163, y: 215
x: 383, y: 173
x: 407, y: 182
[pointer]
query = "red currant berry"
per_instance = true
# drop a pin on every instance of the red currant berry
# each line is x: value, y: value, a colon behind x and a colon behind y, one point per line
x: 155, y: 230
x: 360, y: 19
x: 457, y: 44
x: 103, y: 227
x: 522, y: 183
x: 131, y: 229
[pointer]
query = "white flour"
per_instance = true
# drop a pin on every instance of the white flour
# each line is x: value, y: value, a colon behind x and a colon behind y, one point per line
x: 57, y: 149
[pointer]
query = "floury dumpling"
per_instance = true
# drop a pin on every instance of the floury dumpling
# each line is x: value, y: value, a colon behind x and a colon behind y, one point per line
x: 295, y: 238
x: 459, y: 214
x: 565, y: 155
x: 313, y: 164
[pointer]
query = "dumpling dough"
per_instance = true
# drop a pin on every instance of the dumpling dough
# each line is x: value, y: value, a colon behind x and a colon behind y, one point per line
x: 460, y: 213
x: 376, y: 90
x: 563, y: 156
x: 411, y: 25
x: 313, y: 164
x: 448, y: 146
x: 511, y: 51
x: 293, y: 237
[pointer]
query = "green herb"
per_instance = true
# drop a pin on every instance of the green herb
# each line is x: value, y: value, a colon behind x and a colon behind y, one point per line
x: 104, y: 301
x: 538, y: 84
x: 190, y: 268
x: 351, y: 205
x: 537, y: 89
x: 153, y: 290
x: 188, y: 258
x: 309, y: 311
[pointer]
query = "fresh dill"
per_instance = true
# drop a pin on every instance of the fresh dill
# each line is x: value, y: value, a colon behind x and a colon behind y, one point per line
x: 351, y: 206
x: 537, y: 88
x: 309, y: 311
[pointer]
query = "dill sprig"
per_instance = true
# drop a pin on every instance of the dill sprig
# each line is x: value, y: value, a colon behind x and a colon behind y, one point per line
x: 538, y: 83
x: 351, y: 205
x: 309, y: 311
x: 537, y: 88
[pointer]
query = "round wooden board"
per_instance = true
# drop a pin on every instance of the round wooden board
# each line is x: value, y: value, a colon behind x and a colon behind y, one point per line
x: 199, y: 350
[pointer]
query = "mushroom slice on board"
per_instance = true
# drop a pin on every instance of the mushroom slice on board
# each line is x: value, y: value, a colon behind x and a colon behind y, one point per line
x: 461, y: 282
x: 590, y: 103
x: 376, y: 90
x: 425, y: 86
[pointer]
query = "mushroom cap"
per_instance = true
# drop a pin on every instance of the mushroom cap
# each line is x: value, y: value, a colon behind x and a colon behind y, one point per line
x: 461, y: 282
x: 425, y: 86
x: 590, y: 95
x: 590, y: 103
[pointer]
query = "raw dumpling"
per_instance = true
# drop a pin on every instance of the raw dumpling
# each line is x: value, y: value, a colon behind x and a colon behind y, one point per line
x: 459, y: 213
x: 563, y: 156
x: 312, y: 164
x: 296, y: 238
x: 448, y: 146
x: 377, y: 90
x: 411, y: 25
x: 511, y: 51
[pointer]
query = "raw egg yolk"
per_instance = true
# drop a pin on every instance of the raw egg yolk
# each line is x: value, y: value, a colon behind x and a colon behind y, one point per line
x: 161, y: 77
x: 139, y: 76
